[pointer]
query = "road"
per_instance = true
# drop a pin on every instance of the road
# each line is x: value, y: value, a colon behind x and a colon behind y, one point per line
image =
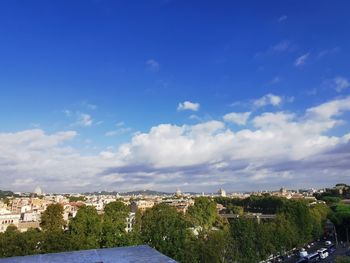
x: 341, y: 251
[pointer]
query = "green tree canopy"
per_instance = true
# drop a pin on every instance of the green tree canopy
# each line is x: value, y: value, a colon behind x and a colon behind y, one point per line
x: 164, y: 229
x: 85, y: 228
x: 114, y: 224
x: 203, y: 213
x: 52, y: 218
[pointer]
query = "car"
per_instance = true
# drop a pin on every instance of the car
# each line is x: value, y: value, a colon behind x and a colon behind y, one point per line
x: 323, y: 252
x: 303, y: 253
x: 328, y: 243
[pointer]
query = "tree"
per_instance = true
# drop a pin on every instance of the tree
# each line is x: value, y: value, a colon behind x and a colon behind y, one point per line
x: 11, y: 246
x: 217, y: 247
x: 56, y: 241
x: 134, y: 237
x: 164, y: 229
x: 85, y: 229
x: 243, y: 234
x: 52, y: 218
x: 235, y: 209
x: 298, y: 213
x: 76, y: 198
x: 30, y: 241
x: 341, y: 217
x: 203, y: 213
x: 318, y: 214
x: 342, y: 260
x: 114, y: 224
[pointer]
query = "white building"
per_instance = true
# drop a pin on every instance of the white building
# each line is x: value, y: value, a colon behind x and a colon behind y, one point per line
x: 30, y: 216
x: 8, y: 218
x: 222, y: 192
x: 178, y: 192
x: 130, y: 222
x: 37, y: 191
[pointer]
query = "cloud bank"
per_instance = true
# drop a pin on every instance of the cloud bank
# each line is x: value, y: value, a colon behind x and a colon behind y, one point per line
x: 268, y: 150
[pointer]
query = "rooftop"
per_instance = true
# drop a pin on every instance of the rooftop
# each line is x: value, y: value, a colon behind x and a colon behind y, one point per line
x: 137, y: 254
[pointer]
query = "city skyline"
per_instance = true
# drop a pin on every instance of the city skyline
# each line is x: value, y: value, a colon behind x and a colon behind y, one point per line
x: 119, y: 96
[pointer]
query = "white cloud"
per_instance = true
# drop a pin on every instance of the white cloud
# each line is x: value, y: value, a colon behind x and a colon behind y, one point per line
x: 300, y: 61
x: 84, y: 120
x: 280, y: 148
x: 237, y: 118
x: 268, y: 99
x: 187, y: 105
x: 341, y: 84
x: 330, y: 109
x: 152, y: 65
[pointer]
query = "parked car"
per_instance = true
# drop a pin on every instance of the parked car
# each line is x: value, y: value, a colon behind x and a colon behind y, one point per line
x: 323, y: 252
x: 328, y: 243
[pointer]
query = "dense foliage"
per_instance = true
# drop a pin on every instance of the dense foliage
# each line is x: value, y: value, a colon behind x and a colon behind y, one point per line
x: 76, y: 198
x: 4, y: 194
x: 200, y: 235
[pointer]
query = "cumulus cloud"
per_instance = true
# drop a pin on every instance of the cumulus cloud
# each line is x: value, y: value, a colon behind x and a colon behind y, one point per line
x: 300, y: 61
x: 328, y: 110
x: 278, y: 148
x: 268, y: 99
x: 239, y: 118
x: 188, y: 105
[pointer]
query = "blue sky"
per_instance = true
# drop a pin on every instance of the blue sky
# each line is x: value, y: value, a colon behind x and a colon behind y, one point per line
x: 108, y: 74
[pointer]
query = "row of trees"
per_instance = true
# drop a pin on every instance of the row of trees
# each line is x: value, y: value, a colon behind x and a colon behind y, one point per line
x: 340, y: 210
x: 172, y: 233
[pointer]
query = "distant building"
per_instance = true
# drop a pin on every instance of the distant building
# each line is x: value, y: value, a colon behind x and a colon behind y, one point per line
x: 181, y: 205
x: 24, y: 226
x: 283, y: 191
x: 222, y: 192
x: 38, y: 191
x: 178, y: 192
x: 8, y: 218
x: 141, y: 205
x: 130, y: 220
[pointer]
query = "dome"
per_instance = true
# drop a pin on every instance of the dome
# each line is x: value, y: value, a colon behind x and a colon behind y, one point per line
x: 38, y: 191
